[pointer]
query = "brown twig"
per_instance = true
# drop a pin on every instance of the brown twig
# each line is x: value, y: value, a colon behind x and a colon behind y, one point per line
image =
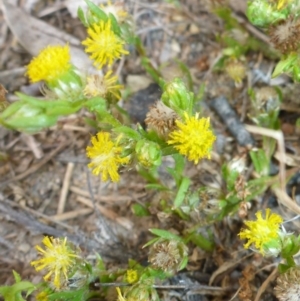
x: 65, y: 188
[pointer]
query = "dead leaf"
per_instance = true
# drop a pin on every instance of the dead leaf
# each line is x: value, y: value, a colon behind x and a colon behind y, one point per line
x: 34, y: 34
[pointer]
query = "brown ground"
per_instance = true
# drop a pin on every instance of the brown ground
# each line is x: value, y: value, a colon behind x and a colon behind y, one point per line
x: 46, y: 187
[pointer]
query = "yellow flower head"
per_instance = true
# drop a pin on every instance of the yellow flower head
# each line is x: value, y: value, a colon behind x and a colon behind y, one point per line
x: 193, y: 138
x: 51, y: 63
x: 58, y: 258
x: 120, y: 296
x: 131, y: 276
x: 105, y: 155
x: 42, y: 296
x: 103, y: 86
x: 103, y: 44
x: 261, y: 231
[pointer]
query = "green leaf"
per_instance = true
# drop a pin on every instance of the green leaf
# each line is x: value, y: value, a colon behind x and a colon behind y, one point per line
x: 115, y: 25
x: 97, y: 11
x: 12, y: 109
x: 140, y: 210
x: 150, y: 69
x: 58, y: 110
x: 150, y: 242
x: 285, y: 65
x: 96, y: 104
x: 81, y: 17
x: 183, y: 263
x: 77, y: 295
x: 260, y: 161
x: 158, y: 187
x: 201, y: 241
x: 13, y: 292
x: 186, y: 71
x: 165, y: 234
x: 131, y: 133
x: 184, y: 186
x: 106, y: 117
x: 34, y: 124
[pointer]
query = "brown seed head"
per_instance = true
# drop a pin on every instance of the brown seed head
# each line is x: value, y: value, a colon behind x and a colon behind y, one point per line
x: 288, y: 285
x: 167, y: 255
x: 161, y: 119
x: 285, y: 35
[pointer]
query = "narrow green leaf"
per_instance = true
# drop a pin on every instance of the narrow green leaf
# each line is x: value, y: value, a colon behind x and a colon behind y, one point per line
x: 131, y: 133
x: 140, y: 210
x: 184, y: 186
x: 81, y: 17
x: 165, y: 234
x: 96, y: 10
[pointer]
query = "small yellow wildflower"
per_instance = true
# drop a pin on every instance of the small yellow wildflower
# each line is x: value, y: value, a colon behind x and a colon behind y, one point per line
x: 120, y: 296
x: 51, y: 63
x: 42, y: 296
x: 193, y: 138
x: 261, y: 231
x: 103, y: 44
x: 58, y: 258
x: 131, y: 276
x: 103, y: 86
x: 281, y: 4
x: 105, y: 155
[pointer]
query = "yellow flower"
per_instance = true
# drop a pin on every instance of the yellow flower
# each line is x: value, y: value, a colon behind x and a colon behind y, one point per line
x: 261, y: 231
x: 281, y: 4
x: 42, y: 296
x: 103, y: 86
x: 58, y: 257
x: 103, y: 44
x: 105, y: 155
x: 131, y: 276
x: 120, y: 296
x: 193, y: 138
x: 51, y: 63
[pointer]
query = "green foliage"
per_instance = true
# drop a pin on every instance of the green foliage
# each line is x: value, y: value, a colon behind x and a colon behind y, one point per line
x: 14, y: 292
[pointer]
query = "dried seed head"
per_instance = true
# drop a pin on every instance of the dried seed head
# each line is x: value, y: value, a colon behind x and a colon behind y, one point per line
x: 285, y: 35
x: 167, y: 255
x: 266, y: 99
x: 236, y: 70
x: 161, y: 119
x: 288, y: 285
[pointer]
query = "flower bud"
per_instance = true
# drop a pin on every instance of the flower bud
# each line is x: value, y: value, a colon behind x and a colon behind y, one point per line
x: 177, y: 97
x: 141, y: 292
x: 148, y: 153
x: 261, y: 13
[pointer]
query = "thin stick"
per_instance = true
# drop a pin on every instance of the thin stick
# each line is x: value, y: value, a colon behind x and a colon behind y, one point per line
x: 263, y: 287
x: 71, y: 214
x: 65, y: 188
